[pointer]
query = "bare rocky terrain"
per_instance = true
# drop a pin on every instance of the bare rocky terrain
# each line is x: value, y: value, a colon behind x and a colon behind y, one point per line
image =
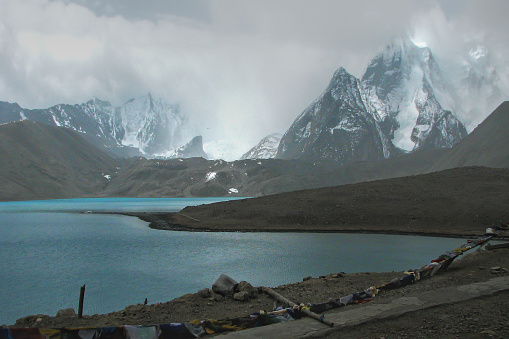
x: 438, y: 203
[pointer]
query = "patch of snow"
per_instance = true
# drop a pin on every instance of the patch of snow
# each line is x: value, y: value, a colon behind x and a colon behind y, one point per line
x: 307, y: 131
x: 55, y: 119
x: 210, y: 176
x: 346, y: 126
x: 233, y: 191
x: 478, y: 52
x: 107, y: 176
x: 402, y: 136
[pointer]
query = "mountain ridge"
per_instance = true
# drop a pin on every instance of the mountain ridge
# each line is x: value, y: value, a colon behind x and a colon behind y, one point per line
x: 28, y: 171
x: 142, y: 125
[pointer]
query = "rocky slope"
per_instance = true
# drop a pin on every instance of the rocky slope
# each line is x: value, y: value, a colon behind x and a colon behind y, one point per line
x: 487, y: 145
x: 456, y: 201
x: 47, y: 162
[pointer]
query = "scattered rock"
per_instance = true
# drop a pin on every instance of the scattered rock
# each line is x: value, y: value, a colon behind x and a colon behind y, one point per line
x: 306, y: 278
x: 224, y: 285
x: 31, y: 320
x: 244, y: 286
x: 68, y: 312
x: 337, y: 275
x: 241, y: 296
x: 216, y: 297
x: 496, y: 270
x: 204, y: 293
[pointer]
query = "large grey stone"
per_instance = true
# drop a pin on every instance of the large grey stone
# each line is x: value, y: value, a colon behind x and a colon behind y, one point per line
x: 224, y: 285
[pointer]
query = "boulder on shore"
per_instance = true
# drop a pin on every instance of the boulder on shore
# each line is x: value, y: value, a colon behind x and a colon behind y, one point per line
x: 224, y: 285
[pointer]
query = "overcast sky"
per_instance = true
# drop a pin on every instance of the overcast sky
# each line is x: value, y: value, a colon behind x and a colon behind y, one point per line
x: 243, y: 69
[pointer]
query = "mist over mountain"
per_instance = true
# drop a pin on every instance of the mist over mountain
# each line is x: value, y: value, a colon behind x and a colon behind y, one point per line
x: 407, y: 99
x: 396, y: 120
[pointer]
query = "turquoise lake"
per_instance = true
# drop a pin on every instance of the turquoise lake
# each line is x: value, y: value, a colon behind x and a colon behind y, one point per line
x: 47, y: 253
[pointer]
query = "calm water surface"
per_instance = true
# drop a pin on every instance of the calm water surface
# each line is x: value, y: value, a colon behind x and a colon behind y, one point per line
x: 45, y: 257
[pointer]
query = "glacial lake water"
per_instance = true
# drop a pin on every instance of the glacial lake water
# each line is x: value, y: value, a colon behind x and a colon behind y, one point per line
x: 47, y: 253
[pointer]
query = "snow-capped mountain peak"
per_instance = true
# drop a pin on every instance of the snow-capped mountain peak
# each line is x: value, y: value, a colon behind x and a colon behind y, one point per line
x: 266, y: 148
x: 396, y: 106
x: 152, y: 125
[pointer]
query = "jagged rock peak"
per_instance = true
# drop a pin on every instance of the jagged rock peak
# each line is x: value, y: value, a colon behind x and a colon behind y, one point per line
x: 192, y: 149
x: 395, y: 107
x: 266, y: 148
x: 98, y: 102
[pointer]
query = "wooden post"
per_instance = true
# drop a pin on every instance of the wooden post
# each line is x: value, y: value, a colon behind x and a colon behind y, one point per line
x: 80, y: 306
x: 307, y: 312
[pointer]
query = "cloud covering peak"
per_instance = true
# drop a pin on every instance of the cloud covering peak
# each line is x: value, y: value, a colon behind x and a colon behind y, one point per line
x: 233, y: 66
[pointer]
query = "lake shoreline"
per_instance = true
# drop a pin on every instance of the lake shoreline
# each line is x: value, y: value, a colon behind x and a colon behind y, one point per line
x: 166, y: 221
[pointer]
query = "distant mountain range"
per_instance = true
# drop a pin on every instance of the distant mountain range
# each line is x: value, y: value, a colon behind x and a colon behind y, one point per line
x: 141, y: 126
x: 404, y: 102
x: 398, y: 119
x: 43, y: 162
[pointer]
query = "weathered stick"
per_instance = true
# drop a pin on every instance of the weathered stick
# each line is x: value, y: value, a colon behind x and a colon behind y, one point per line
x: 307, y: 312
x: 80, y: 306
